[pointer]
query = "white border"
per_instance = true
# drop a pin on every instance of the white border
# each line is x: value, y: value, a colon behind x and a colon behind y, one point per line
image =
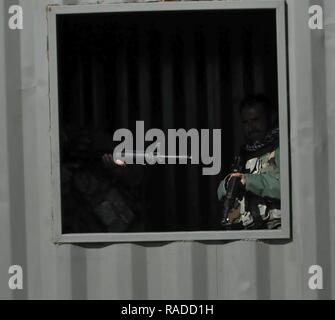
x: 283, y: 233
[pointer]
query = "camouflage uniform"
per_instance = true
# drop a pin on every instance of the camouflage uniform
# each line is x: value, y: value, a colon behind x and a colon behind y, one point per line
x: 260, y: 206
x: 96, y: 199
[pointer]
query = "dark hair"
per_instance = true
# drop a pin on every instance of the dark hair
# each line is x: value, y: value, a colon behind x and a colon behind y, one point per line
x: 262, y: 100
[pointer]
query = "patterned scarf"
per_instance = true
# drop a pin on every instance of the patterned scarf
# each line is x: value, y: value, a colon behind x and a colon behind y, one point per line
x: 271, y: 138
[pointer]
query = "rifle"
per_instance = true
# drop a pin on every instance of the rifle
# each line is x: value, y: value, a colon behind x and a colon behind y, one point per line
x: 134, y: 155
x: 233, y: 192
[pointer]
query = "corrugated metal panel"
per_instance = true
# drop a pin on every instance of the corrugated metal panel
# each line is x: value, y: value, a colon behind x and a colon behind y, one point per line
x: 232, y: 270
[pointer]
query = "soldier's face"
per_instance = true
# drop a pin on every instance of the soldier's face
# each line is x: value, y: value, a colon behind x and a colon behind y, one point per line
x: 255, y: 123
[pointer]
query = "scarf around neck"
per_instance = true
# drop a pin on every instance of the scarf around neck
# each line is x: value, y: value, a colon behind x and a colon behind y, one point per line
x: 270, y: 142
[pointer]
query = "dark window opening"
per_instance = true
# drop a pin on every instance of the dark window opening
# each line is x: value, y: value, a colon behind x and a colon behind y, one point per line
x: 170, y: 70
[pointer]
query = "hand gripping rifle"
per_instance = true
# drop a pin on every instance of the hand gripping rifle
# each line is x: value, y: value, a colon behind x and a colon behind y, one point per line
x: 233, y: 192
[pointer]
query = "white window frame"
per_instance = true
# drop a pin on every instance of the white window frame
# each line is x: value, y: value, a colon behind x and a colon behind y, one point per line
x: 283, y: 233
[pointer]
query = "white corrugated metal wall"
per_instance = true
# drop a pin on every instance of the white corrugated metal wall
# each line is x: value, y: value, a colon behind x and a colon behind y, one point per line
x: 179, y: 270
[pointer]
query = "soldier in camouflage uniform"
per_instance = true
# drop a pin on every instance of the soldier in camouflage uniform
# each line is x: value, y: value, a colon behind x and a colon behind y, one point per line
x: 95, y: 198
x: 259, y: 207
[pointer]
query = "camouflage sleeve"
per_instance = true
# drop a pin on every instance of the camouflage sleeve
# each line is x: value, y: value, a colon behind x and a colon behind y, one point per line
x: 222, y: 188
x: 266, y: 184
